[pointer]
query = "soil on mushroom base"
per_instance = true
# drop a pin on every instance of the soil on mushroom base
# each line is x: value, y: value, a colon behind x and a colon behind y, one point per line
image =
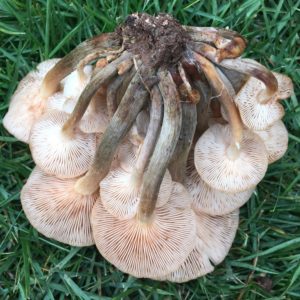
x: 158, y: 41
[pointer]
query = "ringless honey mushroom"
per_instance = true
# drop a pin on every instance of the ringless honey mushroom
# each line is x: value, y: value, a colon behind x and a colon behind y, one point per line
x: 56, y: 210
x: 26, y: 104
x: 188, y: 70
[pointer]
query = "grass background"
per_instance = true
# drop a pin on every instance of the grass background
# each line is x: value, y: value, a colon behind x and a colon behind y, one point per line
x: 266, y: 250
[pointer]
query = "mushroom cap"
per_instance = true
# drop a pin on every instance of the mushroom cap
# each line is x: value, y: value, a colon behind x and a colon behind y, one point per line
x: 21, y: 116
x: 119, y: 192
x: 58, y: 101
x: 147, y: 249
x: 127, y: 155
x: 217, y: 234
x: 196, y: 265
x: 213, y: 202
x: 256, y: 115
x: 57, y: 153
x: 54, y: 208
x: 285, y: 86
x: 276, y: 140
x: 96, y: 117
x: 26, y: 105
x: 45, y: 66
x: 222, y: 172
x: 135, y: 137
x: 73, y: 85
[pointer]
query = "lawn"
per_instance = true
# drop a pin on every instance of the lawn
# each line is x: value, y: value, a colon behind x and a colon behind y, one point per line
x: 264, y: 262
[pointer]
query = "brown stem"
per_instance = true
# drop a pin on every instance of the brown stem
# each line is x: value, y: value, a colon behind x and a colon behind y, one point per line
x: 253, y: 68
x: 236, y: 78
x: 225, y: 98
x: 125, y: 66
x: 102, y: 77
x: 94, y: 55
x: 114, y: 89
x: 186, y: 89
x: 177, y: 166
x: 131, y: 104
x: 206, y: 50
x: 69, y: 63
x: 230, y: 43
x: 142, y: 122
x: 203, y: 106
x: 152, y: 133
x: 164, y: 148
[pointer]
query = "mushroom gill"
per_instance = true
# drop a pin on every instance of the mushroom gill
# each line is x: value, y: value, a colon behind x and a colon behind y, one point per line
x: 55, y: 209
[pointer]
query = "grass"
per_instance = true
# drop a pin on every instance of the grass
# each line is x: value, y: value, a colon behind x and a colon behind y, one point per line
x: 267, y: 246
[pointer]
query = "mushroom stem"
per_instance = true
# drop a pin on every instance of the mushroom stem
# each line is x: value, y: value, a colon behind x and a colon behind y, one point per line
x: 94, y: 55
x: 164, y: 149
x: 253, y: 68
x: 131, y: 104
x: 151, y: 136
x: 229, y: 43
x: 178, y: 162
x: 69, y: 63
x: 185, y: 88
x: 202, y: 106
x: 100, y: 78
x: 206, y: 50
x: 114, y: 91
x: 225, y: 98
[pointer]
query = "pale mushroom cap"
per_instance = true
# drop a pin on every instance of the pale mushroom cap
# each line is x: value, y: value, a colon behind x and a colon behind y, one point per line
x: 219, y: 170
x: 134, y: 136
x: 57, y: 102
x: 96, y: 117
x: 26, y: 105
x: 285, y: 86
x: 217, y: 234
x: 55, y: 152
x: 276, y: 139
x: 119, y: 192
x: 56, y: 210
x: 147, y: 249
x: 127, y: 155
x: 21, y: 116
x: 256, y: 115
x: 213, y: 202
x: 73, y: 85
x: 45, y: 66
x: 197, y: 264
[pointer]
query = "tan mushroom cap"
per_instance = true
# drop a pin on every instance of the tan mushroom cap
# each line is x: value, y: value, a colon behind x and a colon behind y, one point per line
x: 147, y: 249
x: 58, y: 101
x: 256, y: 115
x: 96, y: 117
x: 127, y: 155
x: 45, y: 66
x: 196, y: 265
x: 73, y: 84
x: 119, y: 192
x: 54, y: 208
x: 276, y: 139
x: 217, y: 234
x: 26, y: 105
x: 57, y: 153
x: 285, y: 86
x: 226, y: 171
x: 213, y: 202
x: 134, y: 136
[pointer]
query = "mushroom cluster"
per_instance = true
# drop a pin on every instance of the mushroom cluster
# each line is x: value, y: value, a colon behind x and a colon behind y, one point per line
x: 147, y: 141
